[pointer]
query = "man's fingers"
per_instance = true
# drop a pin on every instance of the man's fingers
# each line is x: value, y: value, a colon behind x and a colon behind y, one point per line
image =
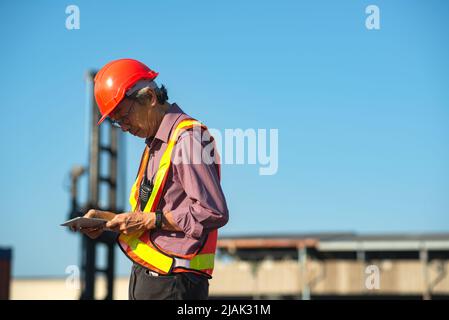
x: 91, y: 213
x: 97, y: 233
x: 114, y: 223
x: 92, y: 233
x: 115, y: 228
x: 89, y: 229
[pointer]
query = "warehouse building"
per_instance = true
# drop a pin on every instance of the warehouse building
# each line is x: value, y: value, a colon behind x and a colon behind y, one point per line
x: 303, y: 266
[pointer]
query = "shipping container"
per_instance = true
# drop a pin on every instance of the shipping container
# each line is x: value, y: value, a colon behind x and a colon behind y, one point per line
x: 5, y: 272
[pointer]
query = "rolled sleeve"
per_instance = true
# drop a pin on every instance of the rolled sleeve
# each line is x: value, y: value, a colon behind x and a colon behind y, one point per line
x: 205, y: 208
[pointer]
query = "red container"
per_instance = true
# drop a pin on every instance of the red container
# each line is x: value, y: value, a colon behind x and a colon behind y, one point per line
x: 5, y: 273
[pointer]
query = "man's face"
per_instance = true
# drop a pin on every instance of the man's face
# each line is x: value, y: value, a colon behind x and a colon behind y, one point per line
x: 131, y: 117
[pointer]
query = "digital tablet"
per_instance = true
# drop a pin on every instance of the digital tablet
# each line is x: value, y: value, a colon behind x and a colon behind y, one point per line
x: 82, y: 222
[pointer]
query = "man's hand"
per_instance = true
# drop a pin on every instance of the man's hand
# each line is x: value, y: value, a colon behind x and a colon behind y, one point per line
x: 132, y: 222
x: 94, y: 233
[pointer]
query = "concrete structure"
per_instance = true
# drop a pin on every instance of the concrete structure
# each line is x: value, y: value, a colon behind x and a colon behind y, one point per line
x: 338, y: 265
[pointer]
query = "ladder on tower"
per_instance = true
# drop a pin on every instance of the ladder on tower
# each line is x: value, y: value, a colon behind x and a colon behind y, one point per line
x: 103, y: 149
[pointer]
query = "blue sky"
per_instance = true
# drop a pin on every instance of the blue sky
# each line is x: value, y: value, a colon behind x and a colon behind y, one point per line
x: 362, y: 114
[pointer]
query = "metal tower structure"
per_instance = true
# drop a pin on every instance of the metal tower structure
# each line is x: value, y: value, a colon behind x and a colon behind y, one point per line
x: 102, y: 194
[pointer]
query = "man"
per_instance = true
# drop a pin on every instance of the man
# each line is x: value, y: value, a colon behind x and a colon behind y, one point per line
x: 177, y: 206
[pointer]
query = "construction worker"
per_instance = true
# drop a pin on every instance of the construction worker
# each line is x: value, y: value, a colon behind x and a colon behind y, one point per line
x: 177, y: 206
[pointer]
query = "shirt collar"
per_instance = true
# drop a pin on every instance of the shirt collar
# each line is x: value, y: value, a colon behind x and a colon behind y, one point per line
x: 169, y: 120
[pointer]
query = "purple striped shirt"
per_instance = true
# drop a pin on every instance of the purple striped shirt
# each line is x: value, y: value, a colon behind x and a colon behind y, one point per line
x: 192, y: 192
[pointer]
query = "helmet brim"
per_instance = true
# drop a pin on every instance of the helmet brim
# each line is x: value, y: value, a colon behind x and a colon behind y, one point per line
x: 103, y: 118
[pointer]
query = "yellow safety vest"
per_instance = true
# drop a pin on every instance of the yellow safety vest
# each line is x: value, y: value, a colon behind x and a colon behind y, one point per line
x: 139, y: 247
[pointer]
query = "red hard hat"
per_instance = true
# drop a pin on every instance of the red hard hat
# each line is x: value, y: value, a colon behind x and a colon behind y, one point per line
x: 114, y: 79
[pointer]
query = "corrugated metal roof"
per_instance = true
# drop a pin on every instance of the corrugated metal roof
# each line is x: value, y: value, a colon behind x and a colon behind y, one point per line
x: 341, y: 241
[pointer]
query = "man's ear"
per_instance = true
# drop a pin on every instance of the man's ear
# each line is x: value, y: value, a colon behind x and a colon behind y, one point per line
x: 152, y: 98
x: 147, y: 97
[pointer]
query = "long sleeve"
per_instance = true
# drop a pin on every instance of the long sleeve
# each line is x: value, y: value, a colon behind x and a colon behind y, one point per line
x: 206, y: 208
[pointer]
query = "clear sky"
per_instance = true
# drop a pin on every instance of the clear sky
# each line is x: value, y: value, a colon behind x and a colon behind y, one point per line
x: 362, y: 114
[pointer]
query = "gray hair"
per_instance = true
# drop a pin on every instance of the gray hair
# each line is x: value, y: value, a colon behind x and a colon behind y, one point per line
x: 139, y: 91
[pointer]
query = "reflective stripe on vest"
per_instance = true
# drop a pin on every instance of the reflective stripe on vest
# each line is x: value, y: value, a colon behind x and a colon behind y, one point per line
x: 139, y: 247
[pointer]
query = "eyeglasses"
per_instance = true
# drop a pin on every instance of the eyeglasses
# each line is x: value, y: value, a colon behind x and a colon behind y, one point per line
x: 119, y: 122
